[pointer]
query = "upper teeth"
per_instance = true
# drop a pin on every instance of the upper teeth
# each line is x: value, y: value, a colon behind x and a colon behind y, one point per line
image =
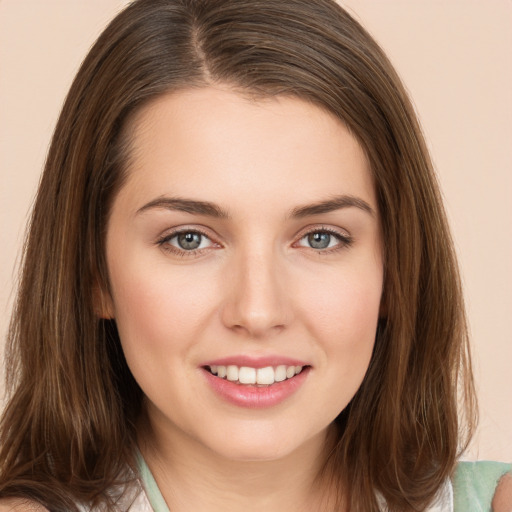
x: 248, y: 375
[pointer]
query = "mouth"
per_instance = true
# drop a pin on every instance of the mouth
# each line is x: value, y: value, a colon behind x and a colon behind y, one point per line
x: 258, y: 377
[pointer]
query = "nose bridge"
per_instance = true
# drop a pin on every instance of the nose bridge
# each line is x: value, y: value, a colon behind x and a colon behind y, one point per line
x: 257, y: 303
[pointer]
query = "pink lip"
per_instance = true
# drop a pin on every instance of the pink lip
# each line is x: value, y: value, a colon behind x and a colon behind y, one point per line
x: 255, y: 362
x: 252, y: 396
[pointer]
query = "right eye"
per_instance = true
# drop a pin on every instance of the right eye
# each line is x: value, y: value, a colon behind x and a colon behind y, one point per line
x: 186, y: 241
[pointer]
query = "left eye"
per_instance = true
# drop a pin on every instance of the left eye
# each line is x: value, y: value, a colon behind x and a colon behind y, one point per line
x: 189, y: 241
x: 320, y: 240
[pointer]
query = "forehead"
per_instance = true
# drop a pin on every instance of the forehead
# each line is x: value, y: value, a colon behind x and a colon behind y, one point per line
x: 216, y: 142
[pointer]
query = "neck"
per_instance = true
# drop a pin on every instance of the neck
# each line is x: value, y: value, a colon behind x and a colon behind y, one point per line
x: 192, y: 477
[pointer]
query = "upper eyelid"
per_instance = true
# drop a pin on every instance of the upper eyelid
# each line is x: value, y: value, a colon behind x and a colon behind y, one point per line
x: 342, y: 233
x: 172, y: 232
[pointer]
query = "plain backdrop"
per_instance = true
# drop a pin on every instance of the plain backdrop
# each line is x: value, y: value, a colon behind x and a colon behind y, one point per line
x: 455, y: 57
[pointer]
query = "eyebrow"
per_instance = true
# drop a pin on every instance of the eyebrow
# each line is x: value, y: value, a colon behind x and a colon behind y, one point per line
x: 330, y: 205
x: 186, y: 205
x: 209, y: 209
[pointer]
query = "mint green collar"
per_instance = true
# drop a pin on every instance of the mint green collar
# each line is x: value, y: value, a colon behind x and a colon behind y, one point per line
x: 150, y: 486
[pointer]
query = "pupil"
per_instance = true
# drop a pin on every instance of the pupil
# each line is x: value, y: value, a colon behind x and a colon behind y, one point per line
x: 189, y: 241
x: 319, y: 240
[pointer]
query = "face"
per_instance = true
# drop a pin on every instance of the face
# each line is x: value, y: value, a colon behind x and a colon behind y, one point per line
x: 245, y: 265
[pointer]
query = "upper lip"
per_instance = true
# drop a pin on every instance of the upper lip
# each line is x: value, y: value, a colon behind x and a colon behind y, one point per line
x: 255, y: 361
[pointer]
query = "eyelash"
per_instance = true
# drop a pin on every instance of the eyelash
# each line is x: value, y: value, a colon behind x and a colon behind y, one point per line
x: 344, y: 240
x: 163, y: 242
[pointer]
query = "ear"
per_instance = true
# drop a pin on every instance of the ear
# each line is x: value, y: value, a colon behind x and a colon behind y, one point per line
x: 102, y: 303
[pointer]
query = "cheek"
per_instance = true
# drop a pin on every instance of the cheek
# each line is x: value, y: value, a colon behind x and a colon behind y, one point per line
x: 345, y: 307
x: 157, y: 306
x: 342, y: 317
x: 159, y: 315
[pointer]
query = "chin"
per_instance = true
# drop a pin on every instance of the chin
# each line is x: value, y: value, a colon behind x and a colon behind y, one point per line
x: 265, y: 444
x: 254, y: 453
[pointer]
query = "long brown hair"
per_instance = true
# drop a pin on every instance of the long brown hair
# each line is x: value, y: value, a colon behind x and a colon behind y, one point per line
x: 68, y: 432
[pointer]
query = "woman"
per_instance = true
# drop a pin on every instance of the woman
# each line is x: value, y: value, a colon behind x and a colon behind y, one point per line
x: 239, y: 288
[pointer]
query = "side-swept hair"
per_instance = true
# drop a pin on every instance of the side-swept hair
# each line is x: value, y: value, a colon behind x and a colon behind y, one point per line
x: 68, y: 432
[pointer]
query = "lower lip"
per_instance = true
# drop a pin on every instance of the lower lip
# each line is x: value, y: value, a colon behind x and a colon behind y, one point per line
x: 254, y: 397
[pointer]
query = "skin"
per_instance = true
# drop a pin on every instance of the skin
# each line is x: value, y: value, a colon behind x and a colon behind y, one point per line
x: 502, y: 501
x: 20, y: 505
x: 255, y: 287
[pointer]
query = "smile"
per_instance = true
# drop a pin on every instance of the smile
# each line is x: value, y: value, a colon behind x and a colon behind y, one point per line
x: 255, y: 376
x: 254, y: 384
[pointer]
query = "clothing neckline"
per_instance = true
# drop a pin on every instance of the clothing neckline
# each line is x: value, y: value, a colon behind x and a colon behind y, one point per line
x: 150, y: 486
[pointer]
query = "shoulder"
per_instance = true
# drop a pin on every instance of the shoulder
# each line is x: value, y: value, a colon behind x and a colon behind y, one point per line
x: 502, y: 501
x: 475, y: 485
x: 20, y: 505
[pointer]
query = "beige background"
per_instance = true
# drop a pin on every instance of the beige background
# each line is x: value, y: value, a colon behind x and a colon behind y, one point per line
x: 455, y: 58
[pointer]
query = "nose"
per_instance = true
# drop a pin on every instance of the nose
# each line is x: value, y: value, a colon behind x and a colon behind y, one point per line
x: 256, y: 303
